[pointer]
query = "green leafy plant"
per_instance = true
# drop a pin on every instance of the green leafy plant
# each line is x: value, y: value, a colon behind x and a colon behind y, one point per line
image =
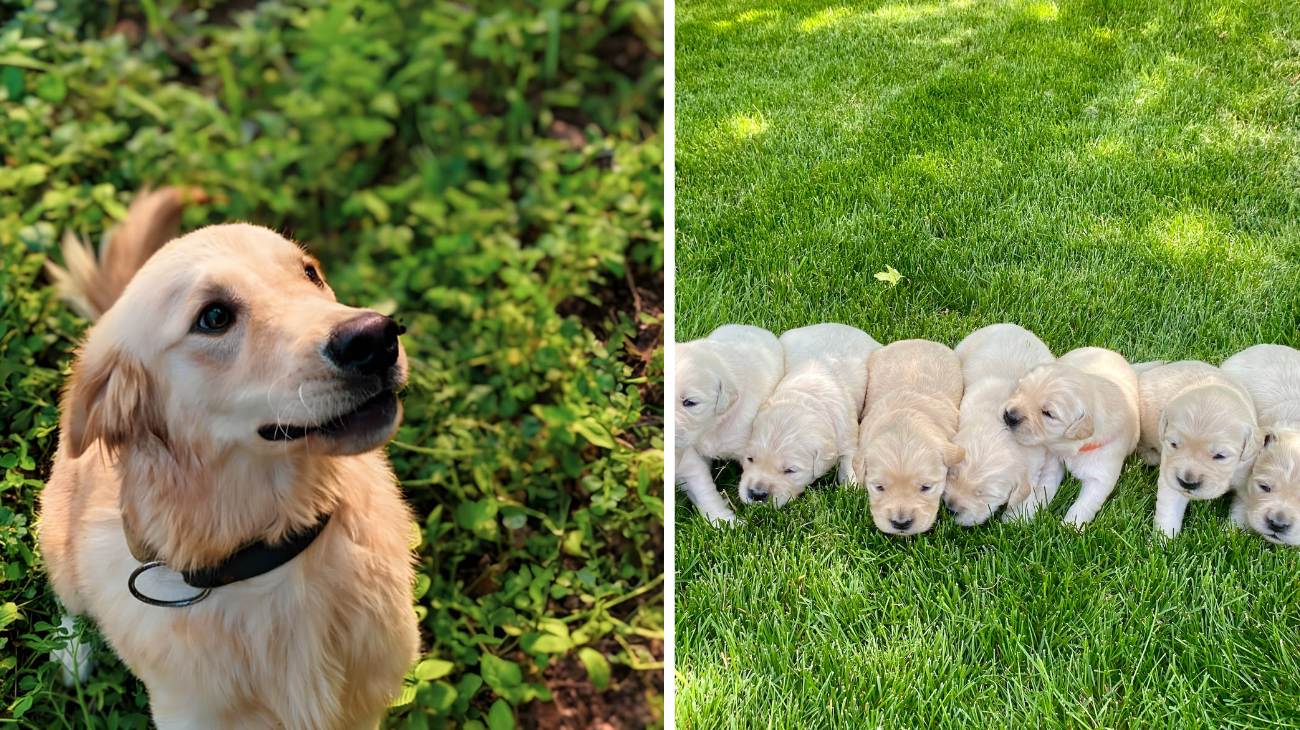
x: 492, y: 177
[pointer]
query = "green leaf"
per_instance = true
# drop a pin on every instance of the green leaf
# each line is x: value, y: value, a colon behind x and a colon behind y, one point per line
x: 12, y: 79
x: 8, y: 614
x: 890, y: 274
x: 597, y: 667
x: 589, y: 429
x: 406, y: 697
x: 501, y: 717
x: 431, y: 669
x: 499, y: 674
x: 52, y: 88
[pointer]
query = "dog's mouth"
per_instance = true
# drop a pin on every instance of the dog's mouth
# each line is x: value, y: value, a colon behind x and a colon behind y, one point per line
x: 370, y: 416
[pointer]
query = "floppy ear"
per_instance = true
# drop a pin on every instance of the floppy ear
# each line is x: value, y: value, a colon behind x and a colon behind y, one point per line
x: 1021, y: 491
x: 824, y: 457
x: 726, y: 396
x: 1269, y: 438
x: 953, y: 454
x: 1161, y: 426
x: 1250, y: 447
x: 1081, y: 428
x: 111, y: 399
x: 859, y: 468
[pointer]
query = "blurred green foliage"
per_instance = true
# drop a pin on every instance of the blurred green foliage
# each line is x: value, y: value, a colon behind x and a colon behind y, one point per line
x: 489, y: 174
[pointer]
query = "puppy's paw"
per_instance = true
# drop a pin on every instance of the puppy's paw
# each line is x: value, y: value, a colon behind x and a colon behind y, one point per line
x: 75, y: 657
x: 1075, y: 519
x: 719, y: 519
x: 1169, y: 531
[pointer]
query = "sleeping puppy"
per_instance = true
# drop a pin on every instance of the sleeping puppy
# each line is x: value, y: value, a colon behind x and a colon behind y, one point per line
x: 221, y: 449
x: 1084, y: 409
x: 811, y: 420
x: 997, y: 471
x: 905, y: 443
x: 721, y: 381
x: 1199, y: 426
x: 1269, y: 502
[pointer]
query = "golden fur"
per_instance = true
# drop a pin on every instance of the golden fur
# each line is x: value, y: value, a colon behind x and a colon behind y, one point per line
x: 905, y: 441
x: 160, y: 432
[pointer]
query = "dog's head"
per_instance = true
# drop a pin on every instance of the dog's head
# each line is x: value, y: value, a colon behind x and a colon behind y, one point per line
x: 992, y: 471
x: 790, y: 446
x: 706, y: 390
x: 1206, y: 435
x: 904, y: 468
x: 228, y: 340
x: 1051, y: 406
x: 1273, y: 493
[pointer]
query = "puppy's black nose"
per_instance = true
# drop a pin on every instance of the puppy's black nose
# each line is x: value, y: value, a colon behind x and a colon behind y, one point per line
x: 365, y: 344
x: 900, y: 525
x: 1189, y: 486
x: 1276, y: 526
x: 758, y: 496
x: 1011, y: 418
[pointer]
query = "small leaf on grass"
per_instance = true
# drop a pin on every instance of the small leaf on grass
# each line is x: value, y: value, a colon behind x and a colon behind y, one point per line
x: 431, y: 669
x: 589, y: 429
x: 8, y: 613
x: 501, y: 717
x: 12, y: 78
x: 890, y: 274
x: 597, y: 667
x: 405, y: 698
x: 500, y: 674
x: 52, y: 88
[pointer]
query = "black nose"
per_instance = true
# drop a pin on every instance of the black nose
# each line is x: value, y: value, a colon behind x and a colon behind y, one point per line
x: 1277, y: 527
x: 758, y: 496
x: 1010, y: 418
x: 365, y: 344
x: 901, y: 525
x: 1189, y: 486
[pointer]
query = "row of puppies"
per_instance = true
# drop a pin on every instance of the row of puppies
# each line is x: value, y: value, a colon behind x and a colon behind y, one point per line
x: 991, y: 424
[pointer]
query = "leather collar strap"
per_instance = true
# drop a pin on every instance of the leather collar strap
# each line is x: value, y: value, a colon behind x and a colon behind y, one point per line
x: 255, y: 559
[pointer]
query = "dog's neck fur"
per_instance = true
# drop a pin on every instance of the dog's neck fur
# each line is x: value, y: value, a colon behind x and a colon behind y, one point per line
x: 193, y: 509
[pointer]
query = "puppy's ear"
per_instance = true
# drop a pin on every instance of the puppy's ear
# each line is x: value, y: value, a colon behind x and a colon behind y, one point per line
x: 953, y: 454
x: 1250, y: 447
x: 860, y: 467
x: 1021, y: 491
x: 1269, y: 438
x: 1081, y: 428
x: 110, y: 398
x: 726, y: 392
x: 1161, y: 425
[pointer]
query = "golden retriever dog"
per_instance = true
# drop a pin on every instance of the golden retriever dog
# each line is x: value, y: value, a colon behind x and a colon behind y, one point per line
x: 1084, y: 409
x: 721, y: 380
x: 905, y: 443
x: 997, y: 470
x: 225, y: 415
x: 1269, y: 502
x: 811, y: 420
x: 1199, y: 427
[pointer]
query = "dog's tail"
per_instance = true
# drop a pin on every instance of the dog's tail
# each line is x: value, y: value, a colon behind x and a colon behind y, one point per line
x: 91, y: 285
x: 1142, y: 367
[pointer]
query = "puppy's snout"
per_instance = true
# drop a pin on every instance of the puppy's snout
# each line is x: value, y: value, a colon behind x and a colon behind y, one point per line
x: 1277, y: 526
x: 900, y: 524
x: 1190, y: 486
x: 758, y: 495
x: 365, y: 344
x: 1011, y: 418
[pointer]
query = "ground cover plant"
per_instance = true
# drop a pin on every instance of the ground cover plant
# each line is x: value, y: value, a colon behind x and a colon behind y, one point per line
x: 1114, y: 174
x: 490, y: 174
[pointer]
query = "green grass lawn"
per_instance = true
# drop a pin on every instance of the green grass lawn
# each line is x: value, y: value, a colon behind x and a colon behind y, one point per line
x: 1114, y: 174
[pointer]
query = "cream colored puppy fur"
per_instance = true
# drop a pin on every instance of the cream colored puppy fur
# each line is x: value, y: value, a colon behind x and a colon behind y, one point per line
x: 1269, y: 502
x: 997, y: 471
x: 1199, y: 427
x: 1084, y: 409
x: 905, y: 443
x: 721, y: 381
x: 811, y: 420
x: 161, y: 434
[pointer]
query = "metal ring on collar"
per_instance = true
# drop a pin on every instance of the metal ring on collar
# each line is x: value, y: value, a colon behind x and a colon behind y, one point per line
x: 130, y: 584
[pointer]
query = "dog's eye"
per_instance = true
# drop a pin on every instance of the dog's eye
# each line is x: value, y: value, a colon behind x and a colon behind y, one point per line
x: 313, y: 275
x: 789, y: 471
x: 1264, y: 487
x: 215, y: 318
x: 689, y: 403
x: 926, y: 487
x: 880, y: 487
x: 1048, y: 414
x: 751, y: 459
x: 1219, y: 457
x: 1173, y: 445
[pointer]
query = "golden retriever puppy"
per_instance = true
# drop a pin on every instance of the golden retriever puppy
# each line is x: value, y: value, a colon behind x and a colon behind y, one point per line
x: 997, y: 471
x: 1084, y: 409
x: 905, y: 443
x: 224, y: 424
x: 1199, y: 427
x: 1269, y: 502
x: 811, y: 420
x: 721, y: 381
